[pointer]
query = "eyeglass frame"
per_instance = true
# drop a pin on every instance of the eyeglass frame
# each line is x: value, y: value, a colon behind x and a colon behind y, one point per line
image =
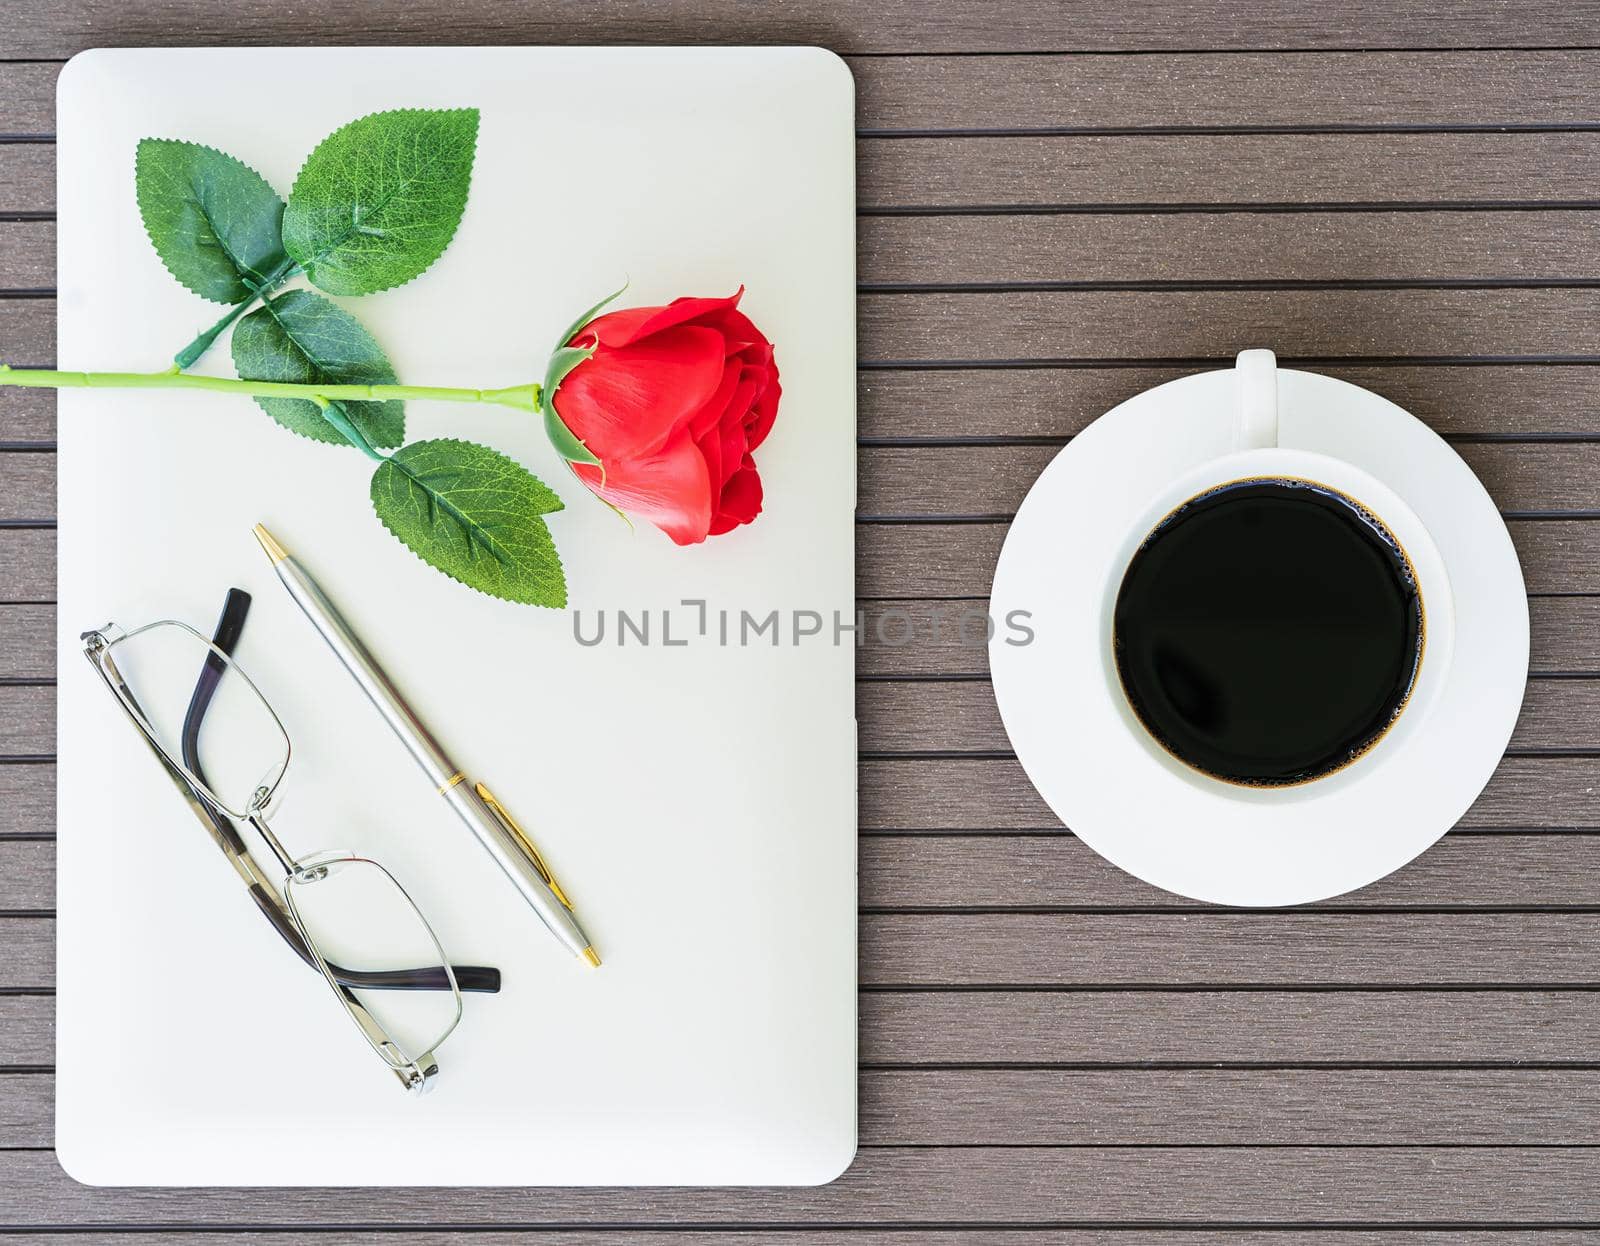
x: 415, y: 1074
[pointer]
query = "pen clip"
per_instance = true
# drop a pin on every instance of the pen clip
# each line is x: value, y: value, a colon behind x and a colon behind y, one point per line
x: 510, y: 823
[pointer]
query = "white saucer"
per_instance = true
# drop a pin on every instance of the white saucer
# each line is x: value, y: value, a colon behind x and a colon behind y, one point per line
x: 1071, y: 730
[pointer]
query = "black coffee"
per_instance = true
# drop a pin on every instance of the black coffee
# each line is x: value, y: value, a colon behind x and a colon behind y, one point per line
x: 1268, y: 631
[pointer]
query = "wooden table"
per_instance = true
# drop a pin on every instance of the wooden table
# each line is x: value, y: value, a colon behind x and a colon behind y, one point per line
x: 1060, y: 205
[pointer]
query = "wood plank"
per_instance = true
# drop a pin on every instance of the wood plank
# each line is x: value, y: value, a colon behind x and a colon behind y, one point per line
x: 1191, y: 1107
x: 1087, y: 91
x: 1215, y: 324
x: 27, y: 177
x: 1079, y: 248
x: 1129, y: 171
x: 27, y: 720
x: 1210, y: 947
x: 1552, y: 710
x: 1538, y: 792
x: 27, y: 248
x: 1055, y: 402
x: 995, y: 870
x: 27, y: 881
x: 912, y: 717
x: 28, y: 330
x: 1123, y: 1028
x: 927, y: 639
x: 1133, y: 1027
x: 27, y: 564
x: 30, y: 944
x: 1516, y: 399
x: 27, y: 1110
x: 27, y: 1030
x: 1226, y: 1027
x: 1298, y: 947
x: 957, y: 560
x: 834, y: 1237
x: 27, y: 415
x: 27, y: 486
x: 1292, y: 91
x: 1090, y: 1187
x: 982, y: 795
x: 56, y: 31
x: 1210, y: 1107
x: 1076, y: 171
x: 1565, y: 634
x: 28, y: 92
x: 934, y: 481
x: 27, y: 800
x: 1523, y: 247
x: 1513, y: 399
x: 919, y: 874
x: 27, y: 642
x: 914, y: 873
x: 636, y: 1236
x: 1549, y: 478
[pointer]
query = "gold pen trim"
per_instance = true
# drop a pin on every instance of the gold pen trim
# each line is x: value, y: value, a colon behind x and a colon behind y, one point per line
x: 451, y: 782
x: 269, y: 544
x: 510, y: 823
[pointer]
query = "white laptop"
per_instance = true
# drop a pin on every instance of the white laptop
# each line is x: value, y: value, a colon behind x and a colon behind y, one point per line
x: 697, y: 801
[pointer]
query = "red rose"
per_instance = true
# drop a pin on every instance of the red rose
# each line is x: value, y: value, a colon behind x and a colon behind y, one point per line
x: 672, y: 402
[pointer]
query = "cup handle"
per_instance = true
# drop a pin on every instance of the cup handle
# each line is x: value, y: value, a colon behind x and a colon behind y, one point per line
x: 1257, y: 425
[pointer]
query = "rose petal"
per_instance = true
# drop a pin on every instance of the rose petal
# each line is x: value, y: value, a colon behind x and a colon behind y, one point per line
x: 742, y: 334
x: 741, y: 499
x: 733, y: 447
x: 738, y: 405
x: 632, y: 324
x: 764, y: 412
x: 710, y: 415
x: 670, y: 488
x: 710, y: 447
x: 625, y: 402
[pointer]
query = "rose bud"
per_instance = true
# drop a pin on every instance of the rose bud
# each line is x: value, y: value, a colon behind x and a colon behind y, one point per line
x: 668, y: 404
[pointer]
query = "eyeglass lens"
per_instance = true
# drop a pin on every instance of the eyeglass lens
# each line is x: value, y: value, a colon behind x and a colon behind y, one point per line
x: 358, y: 917
x: 241, y: 746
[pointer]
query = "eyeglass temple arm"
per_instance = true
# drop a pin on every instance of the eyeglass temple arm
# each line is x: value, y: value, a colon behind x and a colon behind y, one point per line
x: 468, y: 977
x: 222, y: 832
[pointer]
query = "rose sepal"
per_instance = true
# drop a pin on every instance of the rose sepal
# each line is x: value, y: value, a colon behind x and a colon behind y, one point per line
x: 562, y: 361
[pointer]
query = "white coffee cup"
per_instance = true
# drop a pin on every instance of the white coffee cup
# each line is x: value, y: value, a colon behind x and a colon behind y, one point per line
x: 1258, y: 454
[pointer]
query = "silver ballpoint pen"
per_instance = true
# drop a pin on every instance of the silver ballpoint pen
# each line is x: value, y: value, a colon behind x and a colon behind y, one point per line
x: 485, y: 816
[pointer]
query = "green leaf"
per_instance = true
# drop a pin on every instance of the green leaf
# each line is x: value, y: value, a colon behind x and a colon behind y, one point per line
x: 379, y: 199
x: 302, y: 338
x: 474, y: 514
x: 214, y: 220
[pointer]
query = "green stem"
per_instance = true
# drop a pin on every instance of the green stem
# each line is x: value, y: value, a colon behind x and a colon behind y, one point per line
x: 339, y: 418
x: 190, y: 354
x: 518, y: 397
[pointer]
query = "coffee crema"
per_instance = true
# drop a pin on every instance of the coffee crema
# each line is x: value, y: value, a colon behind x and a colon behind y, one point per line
x: 1269, y: 631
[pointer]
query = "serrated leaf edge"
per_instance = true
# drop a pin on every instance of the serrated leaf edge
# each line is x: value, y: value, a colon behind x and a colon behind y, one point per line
x: 340, y: 440
x: 216, y: 151
x: 267, y: 305
x: 554, y: 549
x: 437, y: 570
x: 471, y: 171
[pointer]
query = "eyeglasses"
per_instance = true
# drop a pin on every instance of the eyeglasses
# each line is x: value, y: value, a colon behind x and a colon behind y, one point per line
x: 227, y: 751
